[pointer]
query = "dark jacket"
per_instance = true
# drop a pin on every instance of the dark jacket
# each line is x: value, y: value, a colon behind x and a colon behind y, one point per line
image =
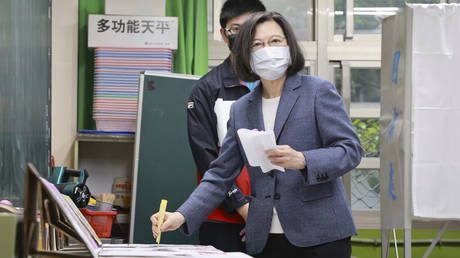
x: 207, y: 116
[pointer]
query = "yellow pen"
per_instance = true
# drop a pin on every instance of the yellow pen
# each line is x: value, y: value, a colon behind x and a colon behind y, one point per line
x: 161, y: 217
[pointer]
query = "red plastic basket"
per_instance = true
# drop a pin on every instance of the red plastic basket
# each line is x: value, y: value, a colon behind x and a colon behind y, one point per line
x: 100, y: 221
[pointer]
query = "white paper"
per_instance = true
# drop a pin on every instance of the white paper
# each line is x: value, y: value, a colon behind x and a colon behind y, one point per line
x: 140, y: 250
x: 255, y: 143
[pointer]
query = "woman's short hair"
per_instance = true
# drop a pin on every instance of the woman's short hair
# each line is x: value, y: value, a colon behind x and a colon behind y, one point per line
x: 241, y: 58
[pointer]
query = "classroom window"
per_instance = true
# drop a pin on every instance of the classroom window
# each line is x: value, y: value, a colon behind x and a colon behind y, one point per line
x: 368, y: 15
x: 339, y: 16
x: 338, y: 80
x: 210, y: 15
x: 368, y: 131
x: 365, y: 189
x: 365, y: 85
x: 299, y: 14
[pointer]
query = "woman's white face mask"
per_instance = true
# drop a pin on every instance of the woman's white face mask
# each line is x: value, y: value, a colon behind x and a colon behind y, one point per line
x: 270, y: 63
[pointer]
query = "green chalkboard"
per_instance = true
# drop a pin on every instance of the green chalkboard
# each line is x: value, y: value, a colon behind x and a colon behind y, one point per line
x: 25, y: 99
x: 163, y: 163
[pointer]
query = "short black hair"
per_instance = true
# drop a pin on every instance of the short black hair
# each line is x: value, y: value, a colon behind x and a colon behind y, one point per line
x: 235, y: 8
x: 241, y: 59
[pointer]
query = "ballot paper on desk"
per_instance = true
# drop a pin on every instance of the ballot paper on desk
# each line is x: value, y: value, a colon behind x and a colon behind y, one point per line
x: 51, y: 220
x: 255, y: 143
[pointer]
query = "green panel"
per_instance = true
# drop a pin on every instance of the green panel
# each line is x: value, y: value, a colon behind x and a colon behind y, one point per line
x: 86, y: 64
x: 200, y: 64
x: 166, y: 169
x: 189, y: 23
x: 25, y: 87
x: 191, y: 56
x: 175, y: 8
x: 8, y: 236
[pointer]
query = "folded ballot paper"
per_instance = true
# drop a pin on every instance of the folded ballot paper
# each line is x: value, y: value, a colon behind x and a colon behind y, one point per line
x: 255, y: 143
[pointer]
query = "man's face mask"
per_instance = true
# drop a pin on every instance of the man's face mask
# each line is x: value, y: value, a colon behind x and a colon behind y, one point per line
x: 232, y: 33
x: 231, y: 40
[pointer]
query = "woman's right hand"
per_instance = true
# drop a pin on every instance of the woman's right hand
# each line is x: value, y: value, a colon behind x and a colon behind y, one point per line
x: 286, y: 157
x: 172, y: 221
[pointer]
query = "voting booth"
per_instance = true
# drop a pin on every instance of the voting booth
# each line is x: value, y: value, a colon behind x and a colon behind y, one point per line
x: 420, y: 119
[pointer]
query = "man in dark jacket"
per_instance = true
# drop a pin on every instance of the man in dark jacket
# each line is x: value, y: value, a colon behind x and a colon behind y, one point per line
x: 208, y: 111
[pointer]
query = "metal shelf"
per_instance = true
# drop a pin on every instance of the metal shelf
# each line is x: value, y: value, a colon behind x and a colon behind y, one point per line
x: 88, y: 137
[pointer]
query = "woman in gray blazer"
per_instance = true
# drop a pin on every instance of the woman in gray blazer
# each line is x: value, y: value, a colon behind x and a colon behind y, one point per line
x: 302, y: 212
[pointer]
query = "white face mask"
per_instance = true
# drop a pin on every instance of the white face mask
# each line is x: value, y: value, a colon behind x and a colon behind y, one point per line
x: 270, y: 63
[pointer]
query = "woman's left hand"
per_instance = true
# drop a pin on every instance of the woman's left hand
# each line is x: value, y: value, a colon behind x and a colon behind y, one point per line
x: 286, y: 157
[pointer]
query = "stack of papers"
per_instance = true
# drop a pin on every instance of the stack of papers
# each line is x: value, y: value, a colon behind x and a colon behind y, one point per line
x: 116, y: 82
x: 255, y: 143
x: 141, y: 250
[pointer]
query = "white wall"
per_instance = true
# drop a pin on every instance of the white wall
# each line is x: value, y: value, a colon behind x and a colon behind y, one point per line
x: 64, y: 80
x: 136, y: 7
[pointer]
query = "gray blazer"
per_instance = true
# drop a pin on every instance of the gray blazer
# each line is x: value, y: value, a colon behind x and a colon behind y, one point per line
x: 311, y: 203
